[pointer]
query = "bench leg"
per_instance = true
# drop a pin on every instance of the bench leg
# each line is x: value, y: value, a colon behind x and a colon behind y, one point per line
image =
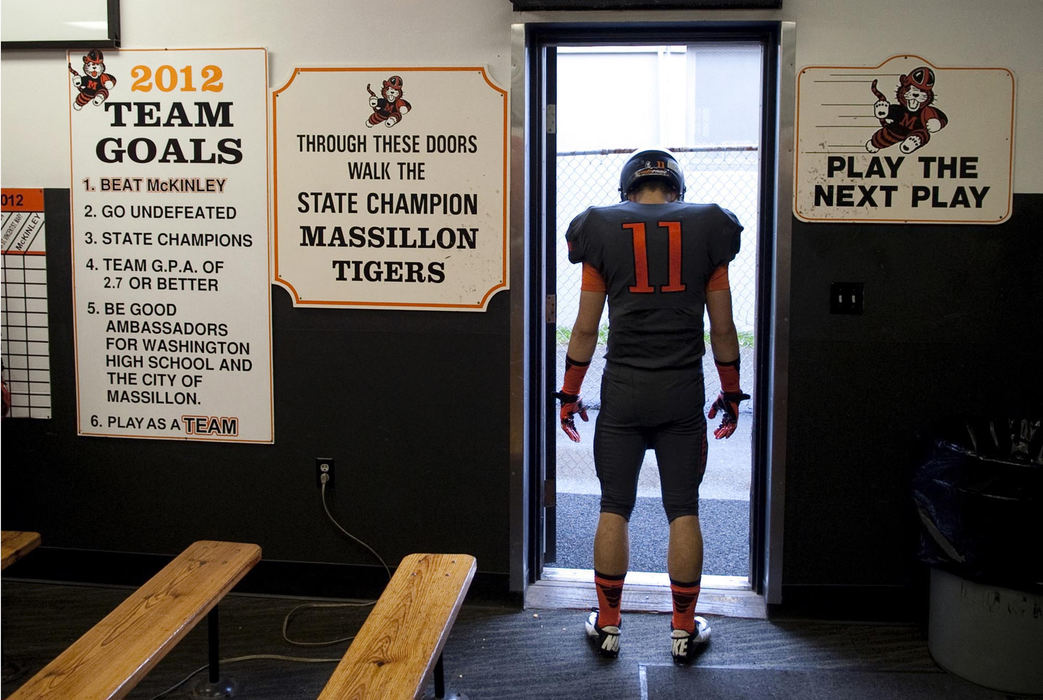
x: 214, y: 687
x: 213, y: 638
x: 439, y: 678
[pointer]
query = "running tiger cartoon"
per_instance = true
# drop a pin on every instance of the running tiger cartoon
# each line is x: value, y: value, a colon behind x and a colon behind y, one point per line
x: 93, y: 86
x: 911, y: 121
x: 389, y: 107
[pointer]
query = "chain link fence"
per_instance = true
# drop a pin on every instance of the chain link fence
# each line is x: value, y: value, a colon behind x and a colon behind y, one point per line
x: 726, y: 175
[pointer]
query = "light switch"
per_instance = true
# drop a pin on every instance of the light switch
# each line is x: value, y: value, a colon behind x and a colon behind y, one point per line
x: 846, y: 298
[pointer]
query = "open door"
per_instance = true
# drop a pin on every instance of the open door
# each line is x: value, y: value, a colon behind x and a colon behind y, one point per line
x: 597, y: 93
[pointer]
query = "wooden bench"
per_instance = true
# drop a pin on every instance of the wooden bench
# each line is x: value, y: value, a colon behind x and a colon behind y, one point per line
x: 16, y: 545
x: 115, y: 654
x: 400, y: 643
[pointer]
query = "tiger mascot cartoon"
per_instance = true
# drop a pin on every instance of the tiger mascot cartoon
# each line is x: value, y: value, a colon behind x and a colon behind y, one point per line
x: 389, y: 107
x: 911, y: 121
x: 95, y: 83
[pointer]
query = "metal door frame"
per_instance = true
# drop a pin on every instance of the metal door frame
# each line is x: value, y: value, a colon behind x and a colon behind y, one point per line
x: 531, y: 404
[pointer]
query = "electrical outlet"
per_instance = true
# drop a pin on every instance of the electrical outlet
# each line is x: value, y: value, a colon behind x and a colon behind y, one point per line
x: 324, y: 468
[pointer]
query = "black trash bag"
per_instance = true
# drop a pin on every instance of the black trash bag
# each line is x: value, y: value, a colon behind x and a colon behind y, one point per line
x: 979, y: 495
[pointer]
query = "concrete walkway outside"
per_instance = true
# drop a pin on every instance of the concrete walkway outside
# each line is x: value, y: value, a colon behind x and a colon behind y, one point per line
x: 728, y: 463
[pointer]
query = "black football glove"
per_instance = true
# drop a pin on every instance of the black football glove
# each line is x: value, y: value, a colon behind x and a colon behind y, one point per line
x: 571, y: 404
x: 728, y: 403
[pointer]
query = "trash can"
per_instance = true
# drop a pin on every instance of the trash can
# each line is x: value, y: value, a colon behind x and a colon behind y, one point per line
x: 991, y: 635
x: 979, y: 496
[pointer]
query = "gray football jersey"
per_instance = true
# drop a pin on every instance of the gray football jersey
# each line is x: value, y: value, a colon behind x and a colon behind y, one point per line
x: 656, y: 260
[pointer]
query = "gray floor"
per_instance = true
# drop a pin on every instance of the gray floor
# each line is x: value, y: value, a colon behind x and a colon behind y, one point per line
x: 724, y: 504
x: 728, y: 463
x: 497, y: 652
x: 725, y: 526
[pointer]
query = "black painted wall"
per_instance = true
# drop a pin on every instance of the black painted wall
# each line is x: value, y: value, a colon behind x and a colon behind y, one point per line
x: 952, y: 326
x: 411, y: 405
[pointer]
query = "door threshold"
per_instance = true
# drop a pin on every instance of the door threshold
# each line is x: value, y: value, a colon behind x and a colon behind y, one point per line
x: 562, y: 589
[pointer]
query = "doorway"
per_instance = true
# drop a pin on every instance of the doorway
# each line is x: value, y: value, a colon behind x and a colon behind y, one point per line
x: 707, y: 94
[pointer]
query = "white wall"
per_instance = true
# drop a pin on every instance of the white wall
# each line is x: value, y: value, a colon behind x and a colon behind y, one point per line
x: 34, y: 84
x: 35, y: 121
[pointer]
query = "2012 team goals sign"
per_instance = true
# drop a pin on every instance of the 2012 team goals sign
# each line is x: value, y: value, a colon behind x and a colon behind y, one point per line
x: 170, y: 254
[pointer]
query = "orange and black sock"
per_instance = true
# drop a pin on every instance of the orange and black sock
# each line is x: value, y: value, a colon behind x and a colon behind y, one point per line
x: 610, y: 593
x: 685, y: 596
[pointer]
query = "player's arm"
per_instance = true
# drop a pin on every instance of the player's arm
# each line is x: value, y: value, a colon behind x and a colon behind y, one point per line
x: 582, y: 343
x: 724, y: 338
x: 584, y: 337
x: 724, y: 343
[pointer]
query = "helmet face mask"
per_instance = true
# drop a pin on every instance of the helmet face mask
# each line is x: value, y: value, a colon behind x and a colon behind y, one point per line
x: 650, y: 164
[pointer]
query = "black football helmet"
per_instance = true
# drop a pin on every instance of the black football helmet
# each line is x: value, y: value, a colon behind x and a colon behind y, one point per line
x: 651, y: 163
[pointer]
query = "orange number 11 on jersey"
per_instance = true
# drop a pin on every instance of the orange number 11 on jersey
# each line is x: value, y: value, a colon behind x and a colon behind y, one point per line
x: 674, y: 283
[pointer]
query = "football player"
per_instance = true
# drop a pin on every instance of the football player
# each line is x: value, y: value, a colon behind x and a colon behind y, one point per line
x: 658, y: 262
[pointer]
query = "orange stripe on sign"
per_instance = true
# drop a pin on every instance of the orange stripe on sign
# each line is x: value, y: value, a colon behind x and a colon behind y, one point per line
x: 15, y: 199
